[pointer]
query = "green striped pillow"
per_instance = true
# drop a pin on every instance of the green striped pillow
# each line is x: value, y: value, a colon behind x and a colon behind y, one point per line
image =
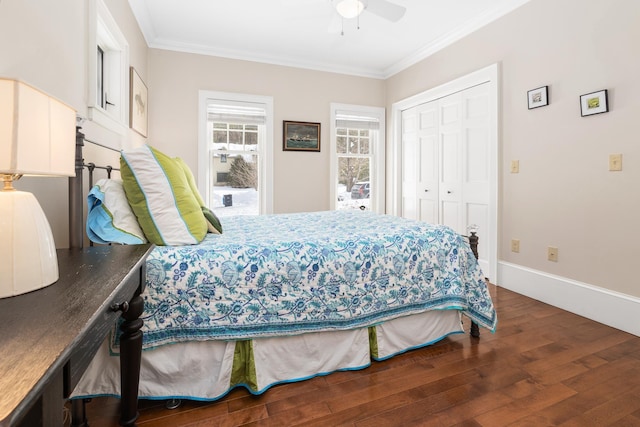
x: 160, y: 196
x: 213, y: 225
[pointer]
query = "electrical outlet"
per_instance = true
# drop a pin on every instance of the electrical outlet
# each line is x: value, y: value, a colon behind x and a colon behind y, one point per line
x: 515, y: 166
x: 552, y: 254
x: 615, y: 162
x: 515, y: 245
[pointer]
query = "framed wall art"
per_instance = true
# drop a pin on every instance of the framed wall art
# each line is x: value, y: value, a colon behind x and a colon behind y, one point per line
x: 594, y: 103
x: 137, y: 103
x: 300, y: 136
x: 538, y: 97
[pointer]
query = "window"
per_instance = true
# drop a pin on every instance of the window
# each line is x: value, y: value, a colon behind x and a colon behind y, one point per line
x: 357, y: 157
x: 108, y: 70
x: 235, y: 153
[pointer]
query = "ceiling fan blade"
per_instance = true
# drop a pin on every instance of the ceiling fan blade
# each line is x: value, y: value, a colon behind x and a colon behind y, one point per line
x: 386, y: 9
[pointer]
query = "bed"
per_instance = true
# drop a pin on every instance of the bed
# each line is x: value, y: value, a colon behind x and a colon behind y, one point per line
x: 286, y: 297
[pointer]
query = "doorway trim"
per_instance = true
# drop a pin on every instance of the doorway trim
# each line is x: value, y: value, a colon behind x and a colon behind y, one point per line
x: 490, y: 75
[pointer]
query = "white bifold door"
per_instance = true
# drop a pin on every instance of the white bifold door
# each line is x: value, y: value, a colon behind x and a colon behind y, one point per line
x: 446, y: 163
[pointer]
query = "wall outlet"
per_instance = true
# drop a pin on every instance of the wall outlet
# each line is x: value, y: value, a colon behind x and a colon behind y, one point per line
x: 615, y: 162
x: 515, y: 166
x: 515, y: 245
x: 552, y: 254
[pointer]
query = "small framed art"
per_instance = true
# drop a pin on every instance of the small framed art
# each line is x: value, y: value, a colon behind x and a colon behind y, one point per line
x: 137, y: 103
x: 538, y: 97
x: 594, y: 103
x: 300, y: 136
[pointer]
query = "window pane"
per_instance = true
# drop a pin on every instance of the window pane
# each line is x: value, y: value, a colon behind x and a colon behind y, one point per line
x: 235, y: 184
x: 235, y: 137
x: 353, y: 145
x: 251, y: 127
x: 233, y: 126
x: 220, y: 126
x: 251, y: 141
x: 353, y: 132
x: 219, y: 136
x: 341, y: 131
x: 364, y: 146
x: 354, y: 187
x: 341, y: 144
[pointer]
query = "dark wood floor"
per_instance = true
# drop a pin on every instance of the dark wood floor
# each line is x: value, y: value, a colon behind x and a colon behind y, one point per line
x: 543, y: 367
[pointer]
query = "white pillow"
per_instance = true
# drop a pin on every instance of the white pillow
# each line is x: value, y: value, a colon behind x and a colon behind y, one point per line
x: 110, y: 218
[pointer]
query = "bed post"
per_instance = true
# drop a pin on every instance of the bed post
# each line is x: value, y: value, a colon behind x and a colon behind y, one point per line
x: 473, y: 242
x: 76, y: 241
x: 76, y: 232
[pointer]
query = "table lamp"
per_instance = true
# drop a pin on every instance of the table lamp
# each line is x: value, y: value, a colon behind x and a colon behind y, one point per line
x: 37, y: 137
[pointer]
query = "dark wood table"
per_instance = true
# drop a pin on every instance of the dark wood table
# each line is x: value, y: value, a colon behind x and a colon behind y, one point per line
x: 49, y: 336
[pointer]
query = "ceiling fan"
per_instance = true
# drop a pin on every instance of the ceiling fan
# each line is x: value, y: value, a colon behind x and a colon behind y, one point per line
x: 349, y: 9
x: 344, y: 10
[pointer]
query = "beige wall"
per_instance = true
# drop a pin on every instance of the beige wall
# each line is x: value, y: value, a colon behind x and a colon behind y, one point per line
x: 44, y: 43
x: 564, y: 195
x: 301, y: 180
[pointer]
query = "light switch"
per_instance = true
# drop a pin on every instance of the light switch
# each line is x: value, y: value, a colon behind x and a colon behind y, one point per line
x: 515, y: 245
x: 615, y: 162
x: 515, y: 166
x: 552, y: 254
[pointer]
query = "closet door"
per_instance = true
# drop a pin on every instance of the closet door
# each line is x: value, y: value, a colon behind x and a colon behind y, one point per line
x: 427, y: 159
x: 475, y: 156
x: 445, y: 159
x: 450, y: 166
x: 409, y: 164
x: 448, y: 159
x: 420, y: 163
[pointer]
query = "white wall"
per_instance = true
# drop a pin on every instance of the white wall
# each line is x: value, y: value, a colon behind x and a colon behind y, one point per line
x: 564, y: 195
x: 301, y: 179
x: 44, y: 43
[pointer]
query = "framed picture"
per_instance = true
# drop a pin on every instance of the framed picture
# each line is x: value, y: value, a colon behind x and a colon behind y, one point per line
x: 538, y: 97
x: 594, y: 103
x: 300, y: 136
x: 137, y: 103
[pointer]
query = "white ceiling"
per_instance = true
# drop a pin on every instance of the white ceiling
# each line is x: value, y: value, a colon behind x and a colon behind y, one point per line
x: 297, y: 32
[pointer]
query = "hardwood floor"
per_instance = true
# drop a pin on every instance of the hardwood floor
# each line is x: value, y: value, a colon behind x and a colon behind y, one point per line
x: 543, y: 367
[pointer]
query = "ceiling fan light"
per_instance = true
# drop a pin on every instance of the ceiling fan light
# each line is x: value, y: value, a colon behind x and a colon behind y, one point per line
x: 349, y: 8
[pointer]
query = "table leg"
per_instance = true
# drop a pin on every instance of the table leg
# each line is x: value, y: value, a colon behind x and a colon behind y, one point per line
x: 130, y: 355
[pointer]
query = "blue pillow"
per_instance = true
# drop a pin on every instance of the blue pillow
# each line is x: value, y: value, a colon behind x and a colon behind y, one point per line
x: 110, y: 218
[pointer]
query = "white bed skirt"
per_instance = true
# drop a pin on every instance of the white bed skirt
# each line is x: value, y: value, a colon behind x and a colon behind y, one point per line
x: 202, y: 370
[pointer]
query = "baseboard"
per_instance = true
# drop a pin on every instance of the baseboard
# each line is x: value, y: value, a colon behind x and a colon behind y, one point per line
x: 611, y: 308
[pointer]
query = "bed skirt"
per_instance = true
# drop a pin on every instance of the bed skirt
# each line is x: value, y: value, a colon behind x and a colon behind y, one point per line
x: 208, y: 370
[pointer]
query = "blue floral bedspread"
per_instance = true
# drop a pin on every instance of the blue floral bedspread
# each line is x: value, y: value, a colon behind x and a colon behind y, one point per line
x: 293, y: 273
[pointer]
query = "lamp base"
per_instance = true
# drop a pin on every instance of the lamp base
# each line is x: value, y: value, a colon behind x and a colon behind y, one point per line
x: 28, y: 259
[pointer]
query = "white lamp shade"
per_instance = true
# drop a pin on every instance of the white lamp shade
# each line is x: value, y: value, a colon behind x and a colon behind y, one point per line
x: 37, y: 132
x: 28, y: 258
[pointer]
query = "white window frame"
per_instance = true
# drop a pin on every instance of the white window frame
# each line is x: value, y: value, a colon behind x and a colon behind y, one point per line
x: 377, y: 147
x: 104, y: 32
x: 265, y: 147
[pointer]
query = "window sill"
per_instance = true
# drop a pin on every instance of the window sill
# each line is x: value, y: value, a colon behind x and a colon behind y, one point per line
x: 101, y: 118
